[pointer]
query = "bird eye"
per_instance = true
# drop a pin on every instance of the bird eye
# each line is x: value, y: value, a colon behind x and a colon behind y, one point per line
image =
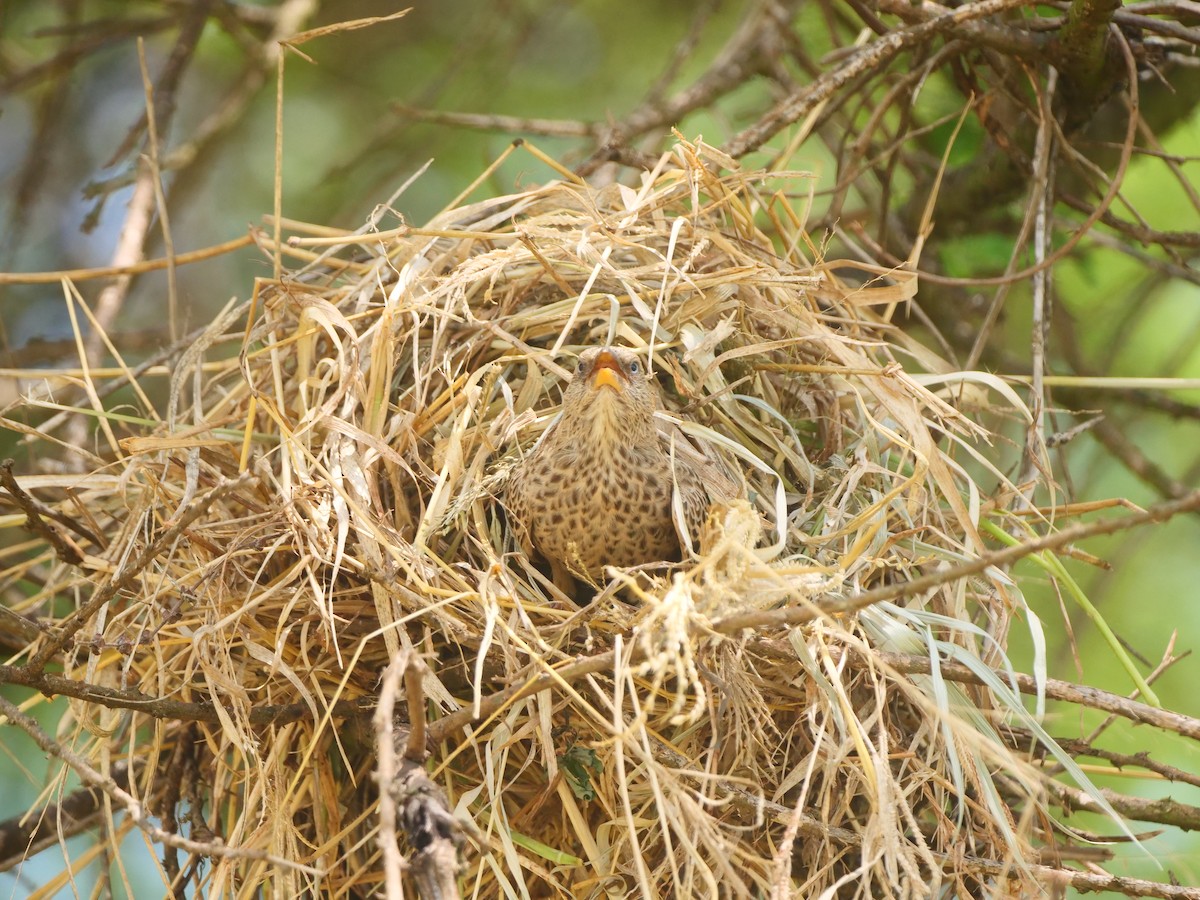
x: 579, y: 367
x: 634, y: 368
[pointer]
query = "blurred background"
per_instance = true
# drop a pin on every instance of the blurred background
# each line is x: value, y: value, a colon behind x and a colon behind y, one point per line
x: 447, y: 88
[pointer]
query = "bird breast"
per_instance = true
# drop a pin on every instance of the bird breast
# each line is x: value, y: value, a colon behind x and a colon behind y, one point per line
x: 599, y: 503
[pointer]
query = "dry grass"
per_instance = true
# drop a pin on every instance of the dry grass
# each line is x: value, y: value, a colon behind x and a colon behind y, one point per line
x: 320, y: 498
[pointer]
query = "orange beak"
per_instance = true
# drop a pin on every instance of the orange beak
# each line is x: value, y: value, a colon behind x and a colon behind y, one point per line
x: 607, y: 372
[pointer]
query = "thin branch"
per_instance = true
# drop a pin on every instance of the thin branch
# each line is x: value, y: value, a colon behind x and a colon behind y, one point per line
x: 36, y: 515
x: 165, y: 708
x: 138, y: 268
x: 871, y: 57
x: 1009, y: 40
x: 1159, y: 810
x: 1140, y: 760
x: 1081, y: 695
x: 1034, y: 459
x: 129, y: 804
x: 407, y: 792
x: 1116, y: 441
x: 505, y: 124
x: 734, y: 65
x: 27, y: 834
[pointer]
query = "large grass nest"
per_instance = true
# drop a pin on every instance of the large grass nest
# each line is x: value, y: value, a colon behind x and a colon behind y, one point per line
x: 323, y: 497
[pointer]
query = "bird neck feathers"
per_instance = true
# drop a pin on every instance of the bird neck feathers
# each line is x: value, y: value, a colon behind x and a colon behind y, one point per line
x: 607, y: 422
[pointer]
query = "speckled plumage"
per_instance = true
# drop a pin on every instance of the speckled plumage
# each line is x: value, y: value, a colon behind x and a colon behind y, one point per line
x: 597, y: 489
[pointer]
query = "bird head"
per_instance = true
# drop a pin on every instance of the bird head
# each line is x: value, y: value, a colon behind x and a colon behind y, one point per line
x: 614, y: 368
x: 611, y: 388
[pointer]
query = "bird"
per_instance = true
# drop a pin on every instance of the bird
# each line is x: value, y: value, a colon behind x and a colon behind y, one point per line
x: 600, y: 487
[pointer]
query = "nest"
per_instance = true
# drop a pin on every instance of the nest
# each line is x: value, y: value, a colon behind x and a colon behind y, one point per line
x: 316, y: 519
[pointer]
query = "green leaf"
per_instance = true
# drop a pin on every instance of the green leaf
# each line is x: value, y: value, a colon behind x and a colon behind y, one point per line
x: 578, y: 765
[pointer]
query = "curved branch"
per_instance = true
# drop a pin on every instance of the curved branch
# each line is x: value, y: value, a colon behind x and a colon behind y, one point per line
x: 873, y: 56
x: 166, y: 707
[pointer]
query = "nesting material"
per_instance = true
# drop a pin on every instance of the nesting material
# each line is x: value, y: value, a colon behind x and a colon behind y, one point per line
x: 335, y: 454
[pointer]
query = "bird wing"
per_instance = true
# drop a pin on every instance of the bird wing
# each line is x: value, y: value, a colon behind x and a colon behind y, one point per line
x: 516, y: 503
x: 702, y: 477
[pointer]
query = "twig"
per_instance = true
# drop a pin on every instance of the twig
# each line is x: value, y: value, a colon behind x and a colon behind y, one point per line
x: 138, y: 268
x: 739, y: 59
x: 387, y: 772
x: 36, y: 515
x: 1140, y: 759
x: 1081, y: 695
x: 1160, y: 810
x: 1034, y: 459
x: 1116, y: 441
x: 164, y: 708
x: 1006, y: 39
x: 505, y: 124
x: 29, y: 833
x: 139, y: 217
x: 1189, y: 240
x: 869, y: 58
x: 17, y: 631
x: 405, y: 788
x: 1089, y: 881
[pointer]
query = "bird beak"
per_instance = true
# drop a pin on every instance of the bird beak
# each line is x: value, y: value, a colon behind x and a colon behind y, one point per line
x: 607, y: 372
